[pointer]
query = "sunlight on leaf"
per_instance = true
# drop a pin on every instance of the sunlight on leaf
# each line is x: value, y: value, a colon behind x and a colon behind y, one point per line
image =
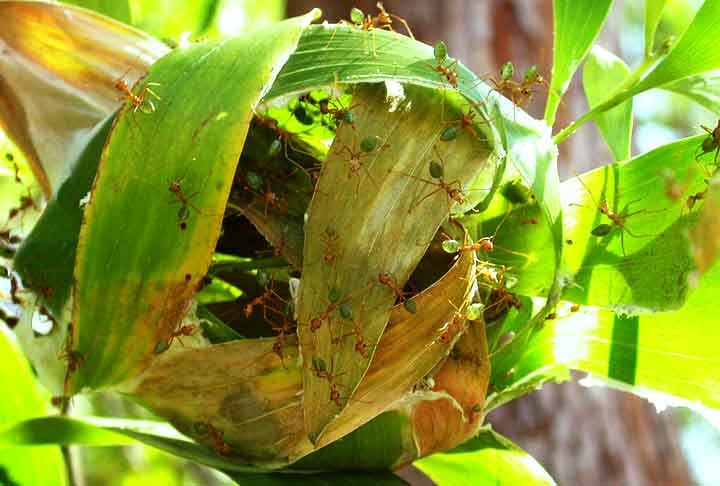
x: 577, y: 25
x: 602, y: 72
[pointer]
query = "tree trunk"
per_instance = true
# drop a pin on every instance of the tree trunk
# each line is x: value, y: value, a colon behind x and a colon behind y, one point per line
x: 582, y: 436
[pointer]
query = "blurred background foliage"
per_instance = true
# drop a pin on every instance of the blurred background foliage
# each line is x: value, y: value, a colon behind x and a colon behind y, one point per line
x: 660, y: 117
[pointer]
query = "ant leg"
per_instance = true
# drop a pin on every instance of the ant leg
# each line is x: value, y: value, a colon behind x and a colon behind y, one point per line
x: 405, y: 24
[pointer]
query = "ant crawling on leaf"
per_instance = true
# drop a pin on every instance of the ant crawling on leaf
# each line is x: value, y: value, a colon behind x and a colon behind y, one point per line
x: 437, y: 172
x: 520, y: 93
x: 617, y: 220
x: 448, y: 71
x: 138, y: 101
x: 712, y: 142
x: 383, y: 20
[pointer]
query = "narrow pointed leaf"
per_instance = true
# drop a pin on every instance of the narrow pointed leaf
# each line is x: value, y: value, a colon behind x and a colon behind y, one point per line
x: 601, y: 73
x: 704, y: 89
x: 46, y: 258
x: 152, y: 271
x: 694, y: 52
x: 576, y: 26
x: 653, y: 13
x: 50, y: 95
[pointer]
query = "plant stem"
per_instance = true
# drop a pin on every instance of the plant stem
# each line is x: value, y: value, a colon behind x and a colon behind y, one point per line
x: 623, y: 92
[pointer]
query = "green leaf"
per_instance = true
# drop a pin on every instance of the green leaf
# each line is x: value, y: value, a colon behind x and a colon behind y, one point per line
x: 704, y: 89
x: 670, y: 354
x: 22, y: 398
x: 577, y: 25
x: 693, y: 54
x: 603, y: 71
x: 181, y: 184
x: 489, y: 458
x: 94, y: 431
x: 340, y: 54
x: 116, y: 9
x: 646, y: 264
x: 46, y: 258
x: 168, y: 20
x: 653, y: 12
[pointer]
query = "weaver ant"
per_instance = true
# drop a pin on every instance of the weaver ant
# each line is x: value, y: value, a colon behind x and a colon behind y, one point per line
x: 263, y: 299
x: 336, y: 303
x: 185, y: 204
x: 437, y: 172
x: 283, y: 140
x: 520, y: 93
x: 712, y: 142
x: 367, y: 146
x: 383, y: 20
x: 339, y: 115
x: 694, y: 198
x: 330, y: 240
x: 500, y: 299
x: 385, y: 279
x: 138, y: 100
x: 183, y: 330
x: 219, y: 444
x: 73, y: 358
x: 26, y: 202
x: 449, y: 72
x: 618, y: 220
x: 452, y: 328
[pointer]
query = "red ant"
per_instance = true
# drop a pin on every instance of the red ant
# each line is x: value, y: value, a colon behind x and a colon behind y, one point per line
x: 383, y: 20
x: 453, y: 189
x: 283, y: 137
x: 618, y: 220
x: 519, y: 93
x: 185, y: 330
x: 330, y: 239
x: 452, y: 328
x: 466, y: 122
x: 185, y: 204
x: 361, y: 346
x: 694, y: 198
x: 367, y: 146
x: 219, y: 444
x: 262, y: 299
x: 74, y: 359
x: 448, y: 71
x: 26, y: 202
x: 335, y: 304
x: 711, y: 143
x: 137, y: 100
x: 340, y: 115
